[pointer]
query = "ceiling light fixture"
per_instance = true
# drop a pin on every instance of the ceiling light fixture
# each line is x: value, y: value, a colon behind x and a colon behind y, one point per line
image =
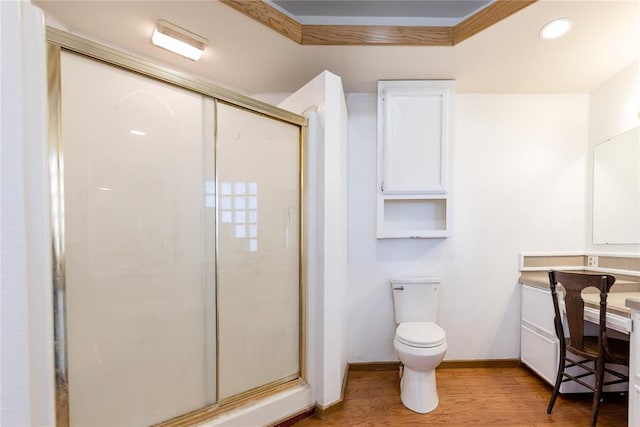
x: 556, y: 28
x: 178, y: 40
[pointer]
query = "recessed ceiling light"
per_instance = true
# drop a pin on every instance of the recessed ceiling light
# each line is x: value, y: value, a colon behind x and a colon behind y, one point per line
x: 556, y: 28
x: 178, y: 40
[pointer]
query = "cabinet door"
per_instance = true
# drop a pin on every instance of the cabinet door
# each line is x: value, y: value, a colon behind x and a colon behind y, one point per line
x: 413, y: 128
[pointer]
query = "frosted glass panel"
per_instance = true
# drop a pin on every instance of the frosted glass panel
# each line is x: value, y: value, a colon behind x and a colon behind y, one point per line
x: 139, y: 235
x: 258, y: 250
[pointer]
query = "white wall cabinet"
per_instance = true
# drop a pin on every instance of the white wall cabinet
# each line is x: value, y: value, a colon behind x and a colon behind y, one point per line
x: 415, y: 120
x: 539, y: 346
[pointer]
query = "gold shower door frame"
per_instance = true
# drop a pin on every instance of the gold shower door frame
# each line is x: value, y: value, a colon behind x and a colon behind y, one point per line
x: 59, y: 41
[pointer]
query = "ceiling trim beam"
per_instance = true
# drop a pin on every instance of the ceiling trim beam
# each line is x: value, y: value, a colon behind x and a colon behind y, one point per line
x: 495, y: 12
x: 376, y: 35
x: 269, y: 16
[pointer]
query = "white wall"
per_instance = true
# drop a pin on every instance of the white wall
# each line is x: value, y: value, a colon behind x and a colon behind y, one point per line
x: 519, y: 185
x: 614, y: 108
x: 26, y: 372
x: 326, y: 192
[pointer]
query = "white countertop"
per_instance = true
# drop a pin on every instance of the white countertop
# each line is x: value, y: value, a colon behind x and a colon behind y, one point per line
x: 633, y: 301
x: 616, y: 301
x: 624, y: 294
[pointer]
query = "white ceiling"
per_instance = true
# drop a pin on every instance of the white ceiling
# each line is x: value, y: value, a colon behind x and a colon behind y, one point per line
x: 508, y: 57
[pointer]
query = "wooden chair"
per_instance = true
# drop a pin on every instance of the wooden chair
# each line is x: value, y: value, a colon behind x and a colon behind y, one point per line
x: 600, y: 349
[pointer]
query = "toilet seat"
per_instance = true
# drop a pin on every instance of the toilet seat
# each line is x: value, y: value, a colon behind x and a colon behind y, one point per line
x: 420, y: 334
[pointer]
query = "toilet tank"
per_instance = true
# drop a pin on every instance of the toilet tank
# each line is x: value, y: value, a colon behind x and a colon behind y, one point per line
x: 415, y: 299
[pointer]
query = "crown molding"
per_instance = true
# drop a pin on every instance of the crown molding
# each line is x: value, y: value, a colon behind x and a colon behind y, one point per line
x: 494, y: 13
x: 377, y: 35
x: 268, y: 16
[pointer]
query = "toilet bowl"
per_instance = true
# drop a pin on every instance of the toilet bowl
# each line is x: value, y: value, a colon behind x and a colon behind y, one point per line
x: 421, y: 346
x: 419, y: 342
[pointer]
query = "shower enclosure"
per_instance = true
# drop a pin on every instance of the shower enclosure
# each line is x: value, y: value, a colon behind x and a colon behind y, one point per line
x: 176, y: 210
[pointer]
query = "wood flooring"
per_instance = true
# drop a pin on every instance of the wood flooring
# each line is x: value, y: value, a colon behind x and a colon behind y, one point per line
x: 468, y: 397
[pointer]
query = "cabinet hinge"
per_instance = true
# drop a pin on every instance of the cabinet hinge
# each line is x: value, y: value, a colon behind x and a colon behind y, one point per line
x: 382, y: 186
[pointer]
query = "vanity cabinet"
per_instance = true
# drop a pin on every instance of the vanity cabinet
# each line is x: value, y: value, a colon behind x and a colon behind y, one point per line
x: 539, y: 346
x: 415, y: 120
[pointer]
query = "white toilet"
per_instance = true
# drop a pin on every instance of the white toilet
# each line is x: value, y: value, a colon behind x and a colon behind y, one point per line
x: 420, y: 343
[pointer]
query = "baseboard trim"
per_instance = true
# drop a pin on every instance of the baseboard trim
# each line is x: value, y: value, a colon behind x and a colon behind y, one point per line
x: 294, y: 419
x: 321, y: 412
x: 486, y: 363
x: 446, y: 364
x: 374, y: 366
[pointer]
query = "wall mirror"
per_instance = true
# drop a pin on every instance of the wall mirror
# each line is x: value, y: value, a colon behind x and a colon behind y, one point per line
x: 616, y: 189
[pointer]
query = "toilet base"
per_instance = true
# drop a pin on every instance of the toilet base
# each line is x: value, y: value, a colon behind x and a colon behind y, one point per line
x: 418, y: 390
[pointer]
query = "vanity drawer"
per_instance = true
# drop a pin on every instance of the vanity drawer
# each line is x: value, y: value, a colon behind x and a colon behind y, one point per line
x: 537, y: 309
x: 540, y: 353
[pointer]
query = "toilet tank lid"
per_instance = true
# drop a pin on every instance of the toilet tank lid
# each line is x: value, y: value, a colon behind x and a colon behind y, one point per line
x: 407, y: 280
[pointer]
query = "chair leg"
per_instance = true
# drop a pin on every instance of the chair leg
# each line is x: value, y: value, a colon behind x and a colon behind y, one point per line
x: 597, y: 393
x: 556, y: 387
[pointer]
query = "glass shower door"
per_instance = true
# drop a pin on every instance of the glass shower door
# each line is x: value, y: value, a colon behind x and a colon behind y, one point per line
x: 139, y: 236
x: 258, y: 272
x: 180, y: 237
